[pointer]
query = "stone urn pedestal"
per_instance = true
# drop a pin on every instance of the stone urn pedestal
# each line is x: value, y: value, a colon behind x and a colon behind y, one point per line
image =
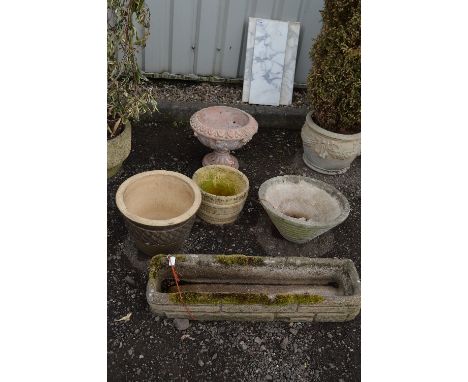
x: 223, y: 129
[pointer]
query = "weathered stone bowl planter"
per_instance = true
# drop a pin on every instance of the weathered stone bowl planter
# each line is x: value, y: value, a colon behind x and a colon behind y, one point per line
x: 302, y: 208
x: 223, y: 129
x: 237, y: 287
x: 224, y: 192
x: 159, y: 209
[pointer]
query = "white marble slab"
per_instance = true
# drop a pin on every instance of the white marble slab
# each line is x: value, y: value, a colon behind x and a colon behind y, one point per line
x: 289, y: 68
x: 289, y: 71
x: 248, y: 58
x: 268, y: 61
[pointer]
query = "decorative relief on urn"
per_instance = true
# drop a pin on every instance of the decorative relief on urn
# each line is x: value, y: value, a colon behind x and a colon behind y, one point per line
x: 223, y: 129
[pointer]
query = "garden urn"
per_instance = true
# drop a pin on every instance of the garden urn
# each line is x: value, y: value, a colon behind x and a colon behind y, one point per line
x: 223, y: 129
x: 302, y: 208
x: 224, y: 192
x: 328, y: 152
x: 159, y: 208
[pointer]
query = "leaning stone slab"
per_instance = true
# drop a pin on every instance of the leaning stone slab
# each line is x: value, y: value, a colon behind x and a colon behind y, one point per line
x: 238, y: 287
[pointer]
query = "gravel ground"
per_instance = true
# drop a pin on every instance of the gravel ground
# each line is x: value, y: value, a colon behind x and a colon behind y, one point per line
x: 183, y: 91
x: 149, y: 348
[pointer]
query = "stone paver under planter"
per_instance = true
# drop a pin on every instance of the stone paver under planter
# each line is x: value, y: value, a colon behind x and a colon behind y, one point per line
x: 237, y: 287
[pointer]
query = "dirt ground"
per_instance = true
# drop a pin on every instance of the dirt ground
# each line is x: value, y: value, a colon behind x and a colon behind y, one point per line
x: 149, y: 348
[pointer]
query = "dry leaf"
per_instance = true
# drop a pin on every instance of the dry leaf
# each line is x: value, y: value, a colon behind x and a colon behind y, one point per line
x: 125, y: 318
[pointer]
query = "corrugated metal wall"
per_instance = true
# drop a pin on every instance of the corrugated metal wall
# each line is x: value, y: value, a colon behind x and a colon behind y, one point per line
x: 207, y: 37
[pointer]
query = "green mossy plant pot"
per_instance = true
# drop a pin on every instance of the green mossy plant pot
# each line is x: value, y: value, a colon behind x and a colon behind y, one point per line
x: 224, y: 192
x: 118, y: 149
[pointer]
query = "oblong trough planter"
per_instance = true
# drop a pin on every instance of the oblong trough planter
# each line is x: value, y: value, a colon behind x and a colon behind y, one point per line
x: 327, y: 152
x: 237, y: 287
x: 159, y: 208
x: 118, y: 149
x: 224, y: 192
x: 302, y: 208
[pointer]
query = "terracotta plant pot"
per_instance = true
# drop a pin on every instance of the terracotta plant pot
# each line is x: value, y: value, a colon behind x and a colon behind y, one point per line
x: 237, y: 287
x: 302, y: 208
x: 224, y: 192
x: 326, y: 152
x: 159, y: 209
x: 118, y: 149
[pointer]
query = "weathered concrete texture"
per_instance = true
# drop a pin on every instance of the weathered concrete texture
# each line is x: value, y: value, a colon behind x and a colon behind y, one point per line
x: 278, y: 271
x: 316, y: 351
x: 302, y: 208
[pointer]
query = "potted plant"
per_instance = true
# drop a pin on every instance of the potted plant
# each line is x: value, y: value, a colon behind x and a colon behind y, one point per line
x: 127, y: 97
x: 331, y: 134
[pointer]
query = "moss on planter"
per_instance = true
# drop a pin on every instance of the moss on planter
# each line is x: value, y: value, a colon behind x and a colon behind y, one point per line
x: 244, y: 298
x: 220, y: 182
x: 240, y: 260
x: 157, y: 262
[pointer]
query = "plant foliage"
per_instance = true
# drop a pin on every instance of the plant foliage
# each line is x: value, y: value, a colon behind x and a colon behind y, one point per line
x: 334, y: 83
x: 127, y: 31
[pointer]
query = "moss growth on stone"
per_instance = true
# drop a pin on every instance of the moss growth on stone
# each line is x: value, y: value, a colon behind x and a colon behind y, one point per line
x: 240, y: 260
x: 193, y: 298
x: 219, y: 182
x: 158, y: 261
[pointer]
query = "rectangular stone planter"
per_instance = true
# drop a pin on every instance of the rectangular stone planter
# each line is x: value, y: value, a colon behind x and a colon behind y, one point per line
x: 237, y: 287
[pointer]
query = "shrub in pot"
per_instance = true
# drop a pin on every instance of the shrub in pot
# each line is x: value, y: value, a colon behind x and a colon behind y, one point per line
x: 331, y: 134
x: 127, y: 97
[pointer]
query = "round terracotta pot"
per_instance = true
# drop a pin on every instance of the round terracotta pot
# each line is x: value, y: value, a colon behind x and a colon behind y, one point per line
x: 302, y: 208
x: 118, y: 149
x: 326, y: 152
x: 159, y: 209
x: 224, y: 192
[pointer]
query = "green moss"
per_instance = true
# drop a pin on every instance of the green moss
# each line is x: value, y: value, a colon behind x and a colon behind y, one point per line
x: 158, y: 261
x: 220, y: 182
x: 240, y: 260
x: 192, y: 298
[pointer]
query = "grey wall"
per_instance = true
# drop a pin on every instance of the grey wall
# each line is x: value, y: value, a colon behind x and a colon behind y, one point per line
x: 207, y: 37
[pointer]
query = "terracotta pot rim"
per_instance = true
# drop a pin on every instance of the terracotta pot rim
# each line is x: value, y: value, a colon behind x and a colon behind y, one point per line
x: 344, y: 137
x: 228, y: 168
x: 119, y: 198
x: 252, y: 123
x: 344, y: 204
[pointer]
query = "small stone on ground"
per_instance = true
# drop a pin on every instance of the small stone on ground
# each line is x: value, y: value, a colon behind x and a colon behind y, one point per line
x: 181, y: 323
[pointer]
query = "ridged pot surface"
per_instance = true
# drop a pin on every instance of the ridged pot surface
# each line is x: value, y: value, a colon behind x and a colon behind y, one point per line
x: 327, y: 152
x: 302, y: 208
x: 224, y: 192
x: 159, y: 207
x: 118, y: 149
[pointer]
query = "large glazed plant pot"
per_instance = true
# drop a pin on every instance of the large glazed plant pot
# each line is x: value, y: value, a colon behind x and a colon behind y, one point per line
x: 224, y: 191
x: 159, y: 209
x: 238, y: 287
x: 118, y: 149
x: 302, y: 208
x: 326, y: 152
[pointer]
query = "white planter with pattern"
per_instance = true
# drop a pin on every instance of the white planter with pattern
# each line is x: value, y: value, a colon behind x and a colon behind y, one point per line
x: 327, y: 152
